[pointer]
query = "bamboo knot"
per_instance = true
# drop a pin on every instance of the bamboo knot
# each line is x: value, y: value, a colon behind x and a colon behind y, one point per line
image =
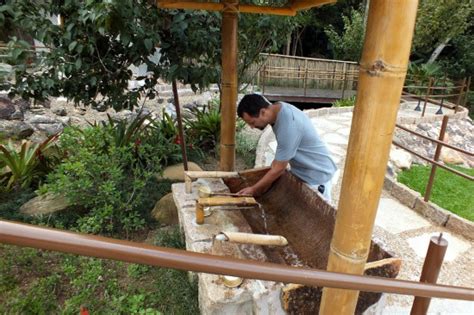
x: 379, y: 67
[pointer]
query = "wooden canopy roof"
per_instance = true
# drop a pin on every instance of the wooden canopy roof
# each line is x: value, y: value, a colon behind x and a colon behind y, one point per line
x: 276, y: 7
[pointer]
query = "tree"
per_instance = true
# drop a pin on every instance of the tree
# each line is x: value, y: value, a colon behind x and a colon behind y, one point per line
x: 348, y: 45
x: 88, y: 58
x: 438, y: 22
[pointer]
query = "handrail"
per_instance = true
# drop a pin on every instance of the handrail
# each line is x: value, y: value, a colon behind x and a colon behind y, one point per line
x: 108, y: 248
x: 435, y: 140
x: 433, y: 161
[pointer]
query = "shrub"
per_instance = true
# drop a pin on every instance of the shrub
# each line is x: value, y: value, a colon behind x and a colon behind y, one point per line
x: 28, y: 165
x: 105, y: 176
x: 345, y: 102
x: 204, y: 126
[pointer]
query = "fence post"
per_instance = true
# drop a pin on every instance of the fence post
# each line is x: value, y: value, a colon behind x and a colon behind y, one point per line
x: 305, y: 79
x: 458, y: 100
x: 466, y: 93
x: 263, y: 78
x: 442, y: 131
x: 430, y: 84
x: 344, y: 80
x: 431, y: 267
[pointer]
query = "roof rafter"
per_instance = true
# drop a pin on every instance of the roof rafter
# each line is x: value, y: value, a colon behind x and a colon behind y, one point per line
x: 243, y: 8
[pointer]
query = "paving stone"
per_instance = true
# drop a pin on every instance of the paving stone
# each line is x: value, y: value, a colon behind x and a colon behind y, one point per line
x: 404, y: 194
x: 456, y: 246
x: 431, y: 211
x: 344, y: 131
x: 395, y: 218
x: 461, y: 226
x: 323, y: 125
x: 335, y: 139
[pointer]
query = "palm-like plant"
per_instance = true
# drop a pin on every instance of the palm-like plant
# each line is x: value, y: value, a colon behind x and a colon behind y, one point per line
x: 20, y: 168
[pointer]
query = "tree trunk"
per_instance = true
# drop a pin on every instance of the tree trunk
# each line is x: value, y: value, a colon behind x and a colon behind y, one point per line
x: 438, y: 50
x: 288, y: 44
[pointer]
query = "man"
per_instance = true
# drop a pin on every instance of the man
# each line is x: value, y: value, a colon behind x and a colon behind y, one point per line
x: 298, y: 145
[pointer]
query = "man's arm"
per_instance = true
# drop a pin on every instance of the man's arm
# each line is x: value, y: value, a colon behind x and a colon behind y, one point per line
x: 277, y: 169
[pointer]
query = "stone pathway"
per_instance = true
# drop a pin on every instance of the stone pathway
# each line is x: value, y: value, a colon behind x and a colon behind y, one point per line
x: 403, y: 231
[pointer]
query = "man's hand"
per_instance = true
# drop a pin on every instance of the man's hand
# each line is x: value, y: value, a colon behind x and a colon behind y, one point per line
x: 250, y: 191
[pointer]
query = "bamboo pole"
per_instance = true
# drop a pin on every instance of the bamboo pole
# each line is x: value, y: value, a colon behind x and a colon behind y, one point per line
x: 383, y: 68
x: 249, y: 238
x: 229, y: 84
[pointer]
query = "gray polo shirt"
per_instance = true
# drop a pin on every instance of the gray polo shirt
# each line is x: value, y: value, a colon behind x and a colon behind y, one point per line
x: 300, y: 144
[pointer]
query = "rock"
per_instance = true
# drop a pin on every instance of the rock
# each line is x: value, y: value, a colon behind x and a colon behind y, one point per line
x: 50, y: 129
x: 400, y: 158
x: 176, y: 172
x: 449, y: 156
x: 61, y: 111
x: 41, y: 119
x: 165, y: 211
x: 17, y: 115
x: 64, y: 120
x: 6, y: 108
x: 44, y: 204
x: 22, y: 105
x: 15, y: 129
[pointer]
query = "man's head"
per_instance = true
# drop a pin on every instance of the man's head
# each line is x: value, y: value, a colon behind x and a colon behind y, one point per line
x: 254, y: 110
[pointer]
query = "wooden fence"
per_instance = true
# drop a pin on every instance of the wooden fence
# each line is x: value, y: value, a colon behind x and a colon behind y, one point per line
x: 300, y: 72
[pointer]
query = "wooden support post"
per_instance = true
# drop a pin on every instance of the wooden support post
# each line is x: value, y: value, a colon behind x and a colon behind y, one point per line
x: 466, y: 94
x: 431, y: 267
x: 442, y: 131
x: 229, y: 84
x: 180, y: 125
x: 382, y: 72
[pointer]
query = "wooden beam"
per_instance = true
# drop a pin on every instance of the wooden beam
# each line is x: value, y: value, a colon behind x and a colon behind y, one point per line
x: 212, y: 6
x: 382, y: 73
x: 308, y: 4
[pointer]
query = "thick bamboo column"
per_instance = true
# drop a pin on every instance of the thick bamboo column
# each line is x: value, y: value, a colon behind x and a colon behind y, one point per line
x: 382, y: 73
x: 228, y: 84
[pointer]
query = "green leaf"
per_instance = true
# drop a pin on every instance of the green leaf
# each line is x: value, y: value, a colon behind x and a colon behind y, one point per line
x: 148, y: 44
x: 78, y: 63
x: 72, y: 46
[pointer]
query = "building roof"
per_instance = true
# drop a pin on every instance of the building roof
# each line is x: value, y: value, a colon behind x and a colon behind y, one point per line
x: 277, y: 7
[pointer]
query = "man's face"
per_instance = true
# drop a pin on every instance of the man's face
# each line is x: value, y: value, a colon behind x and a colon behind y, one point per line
x: 256, y: 122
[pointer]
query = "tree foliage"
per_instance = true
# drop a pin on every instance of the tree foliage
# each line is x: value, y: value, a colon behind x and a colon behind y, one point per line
x: 438, y: 22
x: 88, y: 58
x: 348, y: 45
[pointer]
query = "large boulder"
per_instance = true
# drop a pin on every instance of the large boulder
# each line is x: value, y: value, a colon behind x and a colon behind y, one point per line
x: 400, y: 158
x: 165, y: 211
x: 6, y: 108
x: 176, y: 172
x: 45, y: 204
x: 15, y: 129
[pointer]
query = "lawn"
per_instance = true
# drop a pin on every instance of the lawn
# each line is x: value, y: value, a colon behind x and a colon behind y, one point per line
x: 450, y: 191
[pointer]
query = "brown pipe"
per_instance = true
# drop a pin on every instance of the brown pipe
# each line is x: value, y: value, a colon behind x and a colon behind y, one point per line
x: 431, y: 267
x: 108, y: 248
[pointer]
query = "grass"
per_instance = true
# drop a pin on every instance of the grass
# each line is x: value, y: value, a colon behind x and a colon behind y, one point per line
x: 450, y: 191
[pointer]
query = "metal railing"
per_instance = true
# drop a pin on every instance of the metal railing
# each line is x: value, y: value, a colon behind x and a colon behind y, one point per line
x: 435, y: 161
x: 108, y: 248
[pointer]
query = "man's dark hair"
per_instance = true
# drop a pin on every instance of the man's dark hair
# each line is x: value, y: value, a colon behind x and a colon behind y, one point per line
x: 252, y: 104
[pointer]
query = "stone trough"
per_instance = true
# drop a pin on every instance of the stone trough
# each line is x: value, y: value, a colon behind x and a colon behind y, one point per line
x: 290, y: 209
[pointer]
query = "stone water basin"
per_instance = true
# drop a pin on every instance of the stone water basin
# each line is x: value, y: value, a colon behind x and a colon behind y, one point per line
x: 291, y: 209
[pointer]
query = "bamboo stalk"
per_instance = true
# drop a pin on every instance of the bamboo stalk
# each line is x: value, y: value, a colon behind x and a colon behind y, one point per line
x: 249, y: 238
x: 228, y: 85
x: 382, y: 72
